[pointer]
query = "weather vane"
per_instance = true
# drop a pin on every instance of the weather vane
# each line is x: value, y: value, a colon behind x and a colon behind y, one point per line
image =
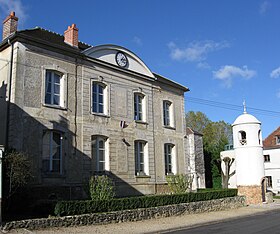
x: 244, y: 107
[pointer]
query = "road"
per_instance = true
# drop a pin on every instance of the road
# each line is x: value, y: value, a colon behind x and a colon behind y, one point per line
x: 267, y: 222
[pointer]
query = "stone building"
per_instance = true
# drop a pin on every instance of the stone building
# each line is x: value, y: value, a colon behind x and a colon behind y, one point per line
x: 79, y: 110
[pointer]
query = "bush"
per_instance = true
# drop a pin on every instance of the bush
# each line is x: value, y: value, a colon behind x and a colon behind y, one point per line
x: 64, y: 208
x: 101, y: 188
x: 179, y: 183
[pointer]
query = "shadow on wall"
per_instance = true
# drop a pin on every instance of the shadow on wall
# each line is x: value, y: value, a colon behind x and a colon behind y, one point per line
x: 60, y: 171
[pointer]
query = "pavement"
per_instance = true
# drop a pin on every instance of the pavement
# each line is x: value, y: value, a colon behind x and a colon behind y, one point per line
x: 161, y: 225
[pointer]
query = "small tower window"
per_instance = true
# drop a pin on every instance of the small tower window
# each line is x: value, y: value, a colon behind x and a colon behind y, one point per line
x: 242, y: 137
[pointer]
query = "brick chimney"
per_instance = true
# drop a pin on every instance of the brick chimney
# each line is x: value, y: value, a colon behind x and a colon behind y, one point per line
x: 71, y: 35
x: 10, y: 25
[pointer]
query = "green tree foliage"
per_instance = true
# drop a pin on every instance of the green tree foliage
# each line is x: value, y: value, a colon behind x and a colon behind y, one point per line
x: 215, y: 136
x: 101, y: 188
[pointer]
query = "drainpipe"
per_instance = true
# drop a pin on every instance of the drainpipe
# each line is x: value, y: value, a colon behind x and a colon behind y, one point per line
x: 9, y: 94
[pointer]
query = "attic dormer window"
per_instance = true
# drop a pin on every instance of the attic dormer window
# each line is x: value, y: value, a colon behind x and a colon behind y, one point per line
x: 277, y: 140
x: 242, y: 137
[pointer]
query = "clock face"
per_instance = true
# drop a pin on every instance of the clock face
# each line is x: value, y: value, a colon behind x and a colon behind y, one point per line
x: 121, y: 59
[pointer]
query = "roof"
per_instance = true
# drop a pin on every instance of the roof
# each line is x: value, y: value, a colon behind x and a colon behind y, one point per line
x: 246, y: 119
x: 270, y: 141
x: 57, y: 40
x: 191, y: 131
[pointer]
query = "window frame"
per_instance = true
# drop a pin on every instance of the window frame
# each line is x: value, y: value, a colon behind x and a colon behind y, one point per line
x: 50, y: 157
x: 277, y: 140
x: 105, y: 97
x: 170, y: 159
x: 144, y: 171
x: 242, y: 136
x: 168, y: 114
x: 95, y: 154
x: 139, y: 116
x: 62, y: 86
x: 268, y: 181
x: 266, y: 158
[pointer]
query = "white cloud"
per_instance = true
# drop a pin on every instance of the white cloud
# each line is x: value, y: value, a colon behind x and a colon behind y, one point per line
x: 264, y: 6
x: 203, y: 65
x: 196, y: 51
x: 137, y: 41
x: 275, y: 73
x: 228, y: 72
x: 6, y: 6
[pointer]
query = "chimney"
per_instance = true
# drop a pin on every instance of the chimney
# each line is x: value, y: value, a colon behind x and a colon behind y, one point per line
x: 10, y: 25
x: 71, y: 35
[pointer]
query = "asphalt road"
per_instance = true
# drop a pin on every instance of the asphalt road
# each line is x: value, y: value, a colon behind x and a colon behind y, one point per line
x: 268, y: 222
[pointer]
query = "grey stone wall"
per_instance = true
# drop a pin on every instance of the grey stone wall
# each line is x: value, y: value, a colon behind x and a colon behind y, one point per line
x: 130, y: 215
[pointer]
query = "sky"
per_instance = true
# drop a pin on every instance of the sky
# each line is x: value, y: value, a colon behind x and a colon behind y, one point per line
x: 224, y: 51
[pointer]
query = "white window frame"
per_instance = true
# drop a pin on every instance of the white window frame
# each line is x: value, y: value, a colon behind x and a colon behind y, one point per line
x: 269, y: 181
x: 266, y: 158
x: 277, y: 140
x: 139, y: 107
x: 145, y: 162
x: 170, y: 160
x: 50, y: 146
x: 168, y: 113
x: 242, y: 135
x: 62, y: 85
x: 105, y: 96
x: 95, y: 152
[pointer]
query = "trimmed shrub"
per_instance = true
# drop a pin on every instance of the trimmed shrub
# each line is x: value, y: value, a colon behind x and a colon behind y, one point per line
x: 179, y: 183
x: 64, y: 208
x: 101, y: 188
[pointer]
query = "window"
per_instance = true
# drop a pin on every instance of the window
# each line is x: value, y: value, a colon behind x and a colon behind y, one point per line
x: 277, y: 140
x: 99, y: 150
x: 169, y: 158
x: 98, y: 98
x: 266, y: 158
x: 52, y: 152
x: 141, y: 158
x: 138, y: 106
x: 54, y: 93
x: 242, y: 137
x: 168, y: 117
x: 269, y: 181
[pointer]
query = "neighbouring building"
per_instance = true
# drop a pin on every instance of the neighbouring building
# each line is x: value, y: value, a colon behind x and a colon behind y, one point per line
x: 79, y: 110
x: 263, y: 164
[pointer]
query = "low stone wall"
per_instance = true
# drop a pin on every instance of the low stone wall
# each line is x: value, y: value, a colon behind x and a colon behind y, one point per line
x: 130, y: 215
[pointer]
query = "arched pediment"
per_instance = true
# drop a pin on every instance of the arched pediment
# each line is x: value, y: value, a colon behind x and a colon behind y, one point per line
x: 107, y: 53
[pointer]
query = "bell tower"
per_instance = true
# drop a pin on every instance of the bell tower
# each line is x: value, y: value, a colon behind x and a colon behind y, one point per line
x: 248, y: 149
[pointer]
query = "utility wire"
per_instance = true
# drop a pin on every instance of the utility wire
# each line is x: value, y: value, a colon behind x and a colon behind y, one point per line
x: 233, y: 107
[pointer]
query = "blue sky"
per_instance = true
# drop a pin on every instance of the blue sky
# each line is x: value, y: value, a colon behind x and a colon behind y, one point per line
x: 224, y: 51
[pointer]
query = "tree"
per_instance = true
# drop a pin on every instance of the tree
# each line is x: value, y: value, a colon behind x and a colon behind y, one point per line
x: 215, y: 136
x: 226, y: 175
x: 197, y: 121
x: 17, y: 172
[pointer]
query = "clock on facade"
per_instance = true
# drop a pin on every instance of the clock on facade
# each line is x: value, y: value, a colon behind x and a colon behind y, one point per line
x: 121, y: 59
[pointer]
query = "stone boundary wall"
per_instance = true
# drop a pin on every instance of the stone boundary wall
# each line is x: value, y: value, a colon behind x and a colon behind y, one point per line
x: 129, y: 215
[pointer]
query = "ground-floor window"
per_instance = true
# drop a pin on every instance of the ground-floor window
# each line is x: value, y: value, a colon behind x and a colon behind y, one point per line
x: 99, y: 146
x: 52, y: 151
x: 141, y: 158
x: 269, y: 181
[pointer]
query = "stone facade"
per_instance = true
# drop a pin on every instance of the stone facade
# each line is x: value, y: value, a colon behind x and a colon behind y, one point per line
x: 129, y: 215
x: 56, y: 113
x: 253, y: 194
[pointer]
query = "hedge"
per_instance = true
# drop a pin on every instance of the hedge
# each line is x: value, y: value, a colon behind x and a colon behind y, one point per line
x: 64, y: 208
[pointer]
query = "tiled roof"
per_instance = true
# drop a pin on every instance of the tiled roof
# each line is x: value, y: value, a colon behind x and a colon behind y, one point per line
x: 270, y: 141
x: 50, y: 37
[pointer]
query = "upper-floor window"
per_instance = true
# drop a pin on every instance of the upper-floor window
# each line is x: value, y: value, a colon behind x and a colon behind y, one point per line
x: 167, y: 114
x: 277, y: 140
x: 266, y: 158
x: 54, y: 88
x: 141, y: 158
x: 99, y: 103
x: 139, y: 107
x: 99, y: 152
x: 52, y: 151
